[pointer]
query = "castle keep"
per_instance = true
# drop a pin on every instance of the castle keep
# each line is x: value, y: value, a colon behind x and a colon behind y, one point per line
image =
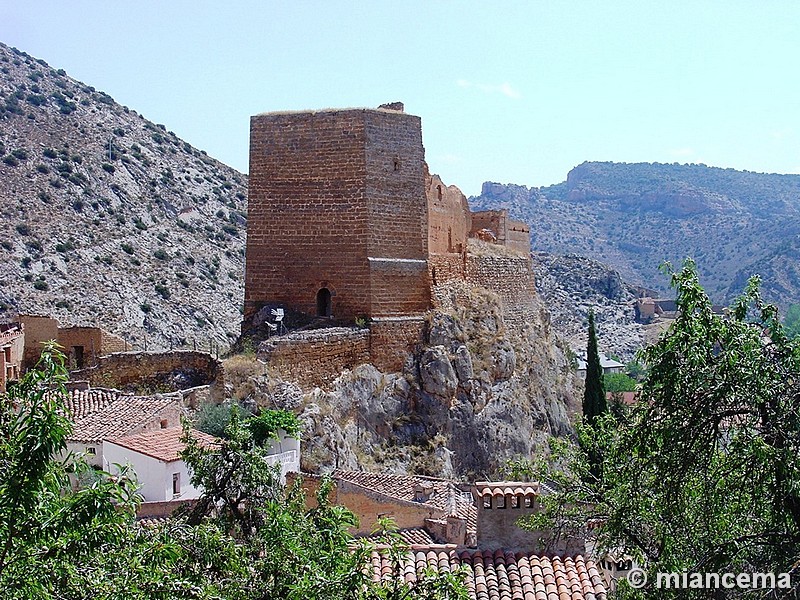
x: 345, y: 222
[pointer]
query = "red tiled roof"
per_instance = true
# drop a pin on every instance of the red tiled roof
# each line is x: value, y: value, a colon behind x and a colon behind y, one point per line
x: 502, y: 575
x: 100, y: 414
x: 162, y: 444
x: 505, y: 488
x: 628, y: 398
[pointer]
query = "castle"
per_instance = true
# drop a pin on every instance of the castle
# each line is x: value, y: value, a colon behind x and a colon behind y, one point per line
x: 346, y: 222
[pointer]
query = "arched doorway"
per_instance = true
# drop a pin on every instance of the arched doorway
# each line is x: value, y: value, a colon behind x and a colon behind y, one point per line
x: 324, y: 302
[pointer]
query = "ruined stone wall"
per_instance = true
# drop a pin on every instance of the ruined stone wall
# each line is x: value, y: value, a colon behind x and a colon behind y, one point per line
x: 38, y: 329
x: 156, y: 372
x: 391, y: 341
x: 518, y: 236
x: 317, y: 357
x: 367, y: 505
x: 515, y: 235
x: 511, y: 278
x: 328, y: 190
x: 447, y: 267
x: 449, y: 218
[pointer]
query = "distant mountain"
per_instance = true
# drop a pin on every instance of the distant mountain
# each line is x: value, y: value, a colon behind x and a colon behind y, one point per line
x: 633, y: 217
x: 109, y: 219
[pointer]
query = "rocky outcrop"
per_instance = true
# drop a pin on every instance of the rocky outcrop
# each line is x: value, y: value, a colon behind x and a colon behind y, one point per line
x: 474, y: 395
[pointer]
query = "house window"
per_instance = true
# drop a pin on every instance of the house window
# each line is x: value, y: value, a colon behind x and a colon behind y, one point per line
x: 501, y: 502
x: 176, y: 484
x: 487, y: 502
x: 78, y: 354
x: 91, y: 451
x: 528, y: 502
x: 396, y: 165
x: 164, y: 423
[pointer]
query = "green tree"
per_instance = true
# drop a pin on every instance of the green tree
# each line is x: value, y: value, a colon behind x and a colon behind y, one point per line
x: 791, y: 322
x: 618, y: 382
x: 57, y: 542
x: 703, y: 475
x: 594, y: 396
x: 293, y: 551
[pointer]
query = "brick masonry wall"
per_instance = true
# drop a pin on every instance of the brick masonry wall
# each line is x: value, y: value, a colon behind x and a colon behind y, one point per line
x: 160, y: 371
x: 316, y: 358
x: 368, y: 505
x: 447, y: 267
x: 449, y: 218
x: 307, y: 212
x: 329, y: 189
x: 392, y: 340
x: 518, y: 236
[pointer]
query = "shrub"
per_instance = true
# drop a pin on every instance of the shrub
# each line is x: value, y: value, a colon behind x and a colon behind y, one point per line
x: 10, y: 161
x: 34, y: 245
x: 127, y: 248
x: 139, y: 224
x: 163, y: 291
x: 41, y: 285
x: 65, y: 247
x: 23, y: 229
x: 161, y: 254
x: 42, y: 168
x: 108, y: 168
x: 50, y: 153
x: 19, y: 153
x: 145, y: 308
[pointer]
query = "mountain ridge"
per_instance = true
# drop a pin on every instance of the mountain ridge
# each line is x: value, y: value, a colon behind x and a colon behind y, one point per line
x: 634, y: 216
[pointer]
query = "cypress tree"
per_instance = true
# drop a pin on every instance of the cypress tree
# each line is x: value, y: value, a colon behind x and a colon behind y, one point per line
x: 594, y: 396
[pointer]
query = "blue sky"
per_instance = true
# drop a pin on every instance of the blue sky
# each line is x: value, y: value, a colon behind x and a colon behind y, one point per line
x: 514, y: 92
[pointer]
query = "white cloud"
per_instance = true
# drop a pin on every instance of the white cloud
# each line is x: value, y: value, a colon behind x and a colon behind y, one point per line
x: 505, y: 88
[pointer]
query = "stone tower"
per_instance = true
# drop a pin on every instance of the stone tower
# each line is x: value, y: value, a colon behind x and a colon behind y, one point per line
x: 337, y: 214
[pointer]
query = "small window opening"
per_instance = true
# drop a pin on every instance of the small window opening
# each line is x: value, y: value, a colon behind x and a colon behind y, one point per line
x: 164, y: 423
x: 91, y: 451
x: 396, y: 165
x: 324, y: 303
x: 501, y: 502
x: 176, y: 483
x: 78, y: 353
x: 487, y: 502
x: 514, y: 501
x: 528, y: 502
x: 439, y: 192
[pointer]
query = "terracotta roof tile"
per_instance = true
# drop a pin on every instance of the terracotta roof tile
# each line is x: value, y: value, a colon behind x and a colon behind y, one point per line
x: 162, y: 444
x: 100, y: 414
x: 502, y: 575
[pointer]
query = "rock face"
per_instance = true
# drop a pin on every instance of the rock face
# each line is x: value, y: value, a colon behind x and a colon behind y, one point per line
x: 476, y: 394
x: 633, y: 217
x: 571, y: 285
x: 110, y: 220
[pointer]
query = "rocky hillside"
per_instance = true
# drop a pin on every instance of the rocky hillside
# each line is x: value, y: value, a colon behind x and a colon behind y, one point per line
x: 635, y: 216
x: 476, y: 394
x: 109, y: 219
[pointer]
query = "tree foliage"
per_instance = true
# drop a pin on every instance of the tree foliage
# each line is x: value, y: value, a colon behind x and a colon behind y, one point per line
x: 594, y: 396
x: 247, y: 539
x: 703, y: 475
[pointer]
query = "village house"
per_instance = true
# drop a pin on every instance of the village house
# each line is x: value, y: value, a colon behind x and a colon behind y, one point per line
x: 12, y: 349
x: 154, y: 457
x: 609, y: 365
x: 445, y: 524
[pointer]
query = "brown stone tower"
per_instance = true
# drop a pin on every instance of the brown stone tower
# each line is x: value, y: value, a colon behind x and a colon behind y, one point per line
x: 337, y: 214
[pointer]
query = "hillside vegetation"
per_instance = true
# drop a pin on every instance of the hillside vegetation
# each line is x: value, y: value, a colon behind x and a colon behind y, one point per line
x: 109, y: 219
x: 635, y: 216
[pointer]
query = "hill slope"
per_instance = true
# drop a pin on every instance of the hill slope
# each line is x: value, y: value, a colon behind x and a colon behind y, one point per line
x: 635, y: 216
x: 108, y: 219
